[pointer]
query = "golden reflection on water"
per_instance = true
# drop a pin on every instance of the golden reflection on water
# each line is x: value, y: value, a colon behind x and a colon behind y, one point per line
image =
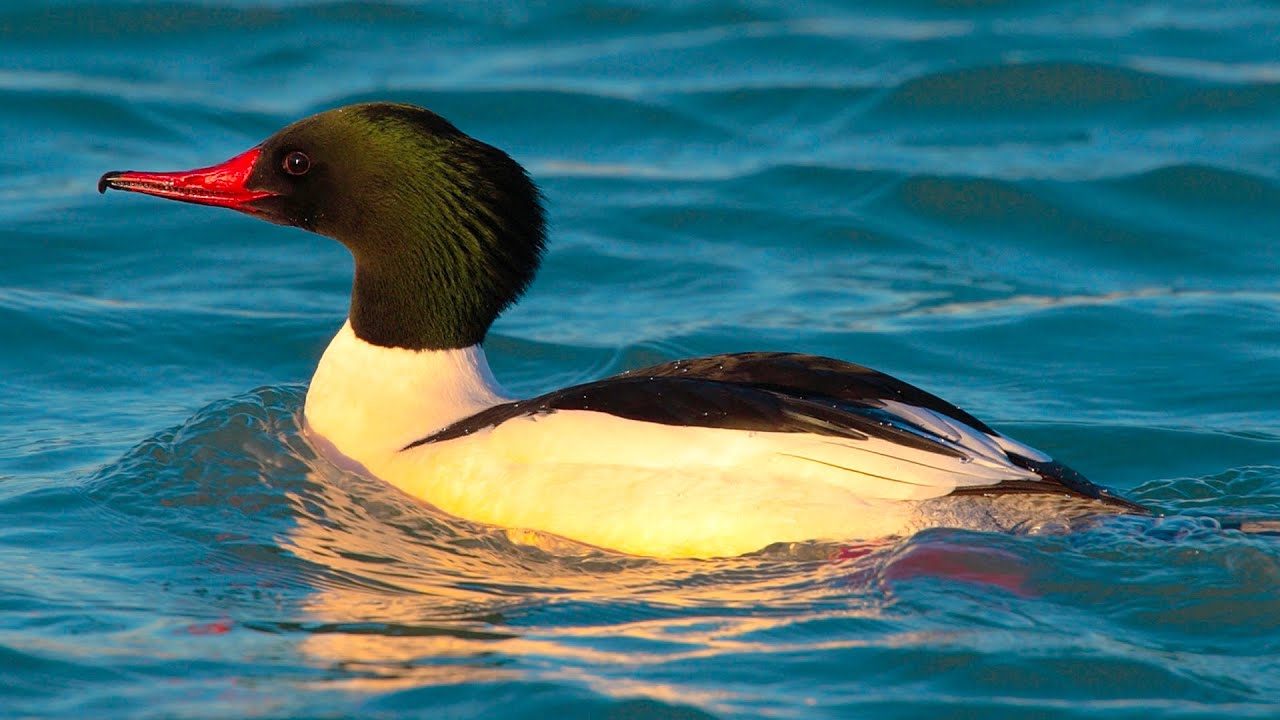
x: 414, y: 599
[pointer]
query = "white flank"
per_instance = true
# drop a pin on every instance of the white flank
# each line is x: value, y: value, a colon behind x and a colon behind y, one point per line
x: 637, y: 487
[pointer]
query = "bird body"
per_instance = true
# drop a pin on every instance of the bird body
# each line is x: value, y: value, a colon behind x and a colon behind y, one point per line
x: 704, y: 457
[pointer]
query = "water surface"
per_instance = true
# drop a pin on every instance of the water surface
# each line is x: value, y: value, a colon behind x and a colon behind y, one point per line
x: 1059, y: 215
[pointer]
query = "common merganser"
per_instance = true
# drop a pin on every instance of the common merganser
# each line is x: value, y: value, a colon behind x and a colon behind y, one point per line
x: 713, y: 456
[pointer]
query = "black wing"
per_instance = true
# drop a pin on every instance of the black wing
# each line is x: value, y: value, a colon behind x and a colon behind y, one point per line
x: 819, y: 377
x: 810, y: 376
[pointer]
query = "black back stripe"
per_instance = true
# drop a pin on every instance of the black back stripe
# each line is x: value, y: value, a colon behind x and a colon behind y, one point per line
x: 810, y: 376
x: 763, y: 392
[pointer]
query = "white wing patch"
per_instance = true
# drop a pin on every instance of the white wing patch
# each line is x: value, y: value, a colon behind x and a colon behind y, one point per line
x: 1013, y: 446
x: 958, y: 434
x: 993, y: 446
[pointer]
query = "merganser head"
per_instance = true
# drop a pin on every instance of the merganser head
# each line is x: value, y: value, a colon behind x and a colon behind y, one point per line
x: 446, y: 231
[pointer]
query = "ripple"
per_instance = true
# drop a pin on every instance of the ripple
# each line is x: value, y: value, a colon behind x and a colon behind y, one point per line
x: 978, y: 200
x: 65, y: 109
x: 1021, y: 305
x: 1246, y: 76
x: 79, y: 20
x: 1204, y: 184
x: 1039, y: 87
x: 1253, y: 491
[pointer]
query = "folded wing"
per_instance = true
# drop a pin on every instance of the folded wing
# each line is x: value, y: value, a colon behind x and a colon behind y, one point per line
x: 842, y: 423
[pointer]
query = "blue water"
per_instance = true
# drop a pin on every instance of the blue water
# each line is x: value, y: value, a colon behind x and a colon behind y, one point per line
x: 1062, y: 216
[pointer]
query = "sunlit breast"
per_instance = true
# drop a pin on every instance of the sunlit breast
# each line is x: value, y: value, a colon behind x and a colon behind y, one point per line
x: 369, y: 401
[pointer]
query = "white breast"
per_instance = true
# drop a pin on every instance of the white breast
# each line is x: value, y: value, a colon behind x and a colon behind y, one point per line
x: 370, y: 401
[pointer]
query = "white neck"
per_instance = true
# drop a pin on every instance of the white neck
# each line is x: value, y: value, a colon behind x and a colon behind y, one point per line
x: 368, y: 400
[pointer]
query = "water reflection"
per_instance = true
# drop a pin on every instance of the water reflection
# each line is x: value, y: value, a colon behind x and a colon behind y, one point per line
x: 404, y: 596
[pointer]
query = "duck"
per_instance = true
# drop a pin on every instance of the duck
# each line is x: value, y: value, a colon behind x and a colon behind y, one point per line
x: 704, y: 457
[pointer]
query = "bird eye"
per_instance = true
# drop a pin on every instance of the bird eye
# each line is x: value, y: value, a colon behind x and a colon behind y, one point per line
x: 297, y: 163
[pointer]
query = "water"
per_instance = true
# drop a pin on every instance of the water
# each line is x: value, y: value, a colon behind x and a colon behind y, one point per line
x: 1060, y: 215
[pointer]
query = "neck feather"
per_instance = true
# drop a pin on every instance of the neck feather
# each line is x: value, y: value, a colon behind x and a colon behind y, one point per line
x: 410, y: 303
x: 439, y: 258
x: 368, y: 400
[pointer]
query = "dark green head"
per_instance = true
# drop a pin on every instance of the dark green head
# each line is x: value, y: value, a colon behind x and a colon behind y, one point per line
x: 446, y: 231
